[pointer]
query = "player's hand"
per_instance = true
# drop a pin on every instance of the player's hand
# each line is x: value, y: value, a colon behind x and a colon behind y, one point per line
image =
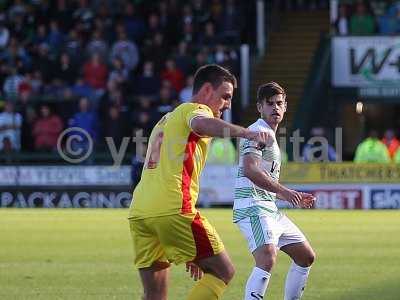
x: 262, y: 138
x: 195, y: 272
x: 292, y: 196
x: 307, y: 200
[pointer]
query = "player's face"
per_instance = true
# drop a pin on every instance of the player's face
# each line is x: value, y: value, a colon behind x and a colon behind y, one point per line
x: 220, y: 98
x: 273, y: 109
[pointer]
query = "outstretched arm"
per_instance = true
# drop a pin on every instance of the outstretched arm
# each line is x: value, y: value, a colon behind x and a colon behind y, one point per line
x: 214, y: 127
x: 253, y: 171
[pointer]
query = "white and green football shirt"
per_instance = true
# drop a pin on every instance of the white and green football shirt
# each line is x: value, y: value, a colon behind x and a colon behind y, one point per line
x: 251, y: 200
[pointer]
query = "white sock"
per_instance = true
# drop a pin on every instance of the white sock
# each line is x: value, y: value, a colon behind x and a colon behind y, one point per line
x: 257, y: 284
x: 296, y: 281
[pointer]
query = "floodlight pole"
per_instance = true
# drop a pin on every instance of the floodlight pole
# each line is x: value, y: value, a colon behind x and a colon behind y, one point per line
x: 260, y: 9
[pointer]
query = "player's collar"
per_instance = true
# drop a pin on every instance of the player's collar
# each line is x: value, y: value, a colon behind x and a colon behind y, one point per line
x: 264, y: 124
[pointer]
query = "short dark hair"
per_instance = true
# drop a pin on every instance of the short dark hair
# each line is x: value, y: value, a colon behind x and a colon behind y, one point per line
x: 213, y: 74
x: 269, y: 90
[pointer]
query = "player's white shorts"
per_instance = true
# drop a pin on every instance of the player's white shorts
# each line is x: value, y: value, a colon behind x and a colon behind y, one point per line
x: 263, y: 230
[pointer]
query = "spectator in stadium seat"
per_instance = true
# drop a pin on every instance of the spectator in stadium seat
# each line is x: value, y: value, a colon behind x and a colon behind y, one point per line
x: 28, y: 120
x: 6, y: 147
x: 187, y: 15
x: 62, y: 12
x: 165, y: 101
x: 147, y: 83
x: 186, y: 93
x: 119, y: 73
x: 126, y: 50
x: 18, y: 8
x: 41, y: 36
x: 15, y: 55
x: 10, y: 127
x: 372, y: 150
x: 362, y: 23
x: 189, y: 35
x: 4, y: 33
x: 231, y: 22
x: 11, y: 84
x: 391, y: 142
x: 98, y: 45
x: 83, y: 14
x: 396, y: 158
x: 46, y: 129
x: 219, y: 54
x: 43, y: 63
x: 143, y: 122
x: 230, y: 60
x: 104, y: 20
x: 156, y: 51
x: 201, y: 59
x: 134, y: 25
x: 73, y: 46
x: 82, y: 89
x: 65, y: 70
x: 153, y: 26
x: 86, y: 119
x: 310, y: 153
x: 55, y: 37
x: 172, y: 74
x: 115, y: 125
x: 389, y: 23
x: 209, y: 37
x: 341, y: 24
x: 216, y: 10
x: 95, y: 72
x: 37, y: 82
x: 201, y: 13
x: 183, y: 59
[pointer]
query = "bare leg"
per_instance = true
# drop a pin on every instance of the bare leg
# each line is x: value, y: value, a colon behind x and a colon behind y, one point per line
x: 301, y: 253
x: 265, y: 257
x: 155, y: 281
x: 219, y: 265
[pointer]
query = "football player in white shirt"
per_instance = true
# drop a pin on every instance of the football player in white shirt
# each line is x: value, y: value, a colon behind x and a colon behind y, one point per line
x: 267, y: 229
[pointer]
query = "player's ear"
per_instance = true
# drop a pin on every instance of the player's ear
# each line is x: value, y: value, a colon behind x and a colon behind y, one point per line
x: 285, y: 107
x: 259, y: 107
x: 208, y: 89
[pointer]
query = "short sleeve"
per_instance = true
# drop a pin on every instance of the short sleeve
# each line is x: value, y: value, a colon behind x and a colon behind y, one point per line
x: 248, y: 146
x: 198, y: 111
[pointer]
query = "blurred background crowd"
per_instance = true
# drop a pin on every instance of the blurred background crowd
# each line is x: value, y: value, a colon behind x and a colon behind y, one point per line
x: 113, y: 68
x: 109, y: 67
x: 367, y: 18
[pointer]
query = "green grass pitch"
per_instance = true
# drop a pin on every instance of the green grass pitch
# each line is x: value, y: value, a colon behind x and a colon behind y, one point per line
x: 87, y: 254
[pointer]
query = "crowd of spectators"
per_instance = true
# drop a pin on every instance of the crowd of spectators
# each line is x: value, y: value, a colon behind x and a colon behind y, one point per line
x: 109, y: 67
x: 367, y: 18
x: 376, y: 150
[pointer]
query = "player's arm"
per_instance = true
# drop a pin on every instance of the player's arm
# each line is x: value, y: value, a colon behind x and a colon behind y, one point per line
x: 253, y: 171
x: 214, y: 127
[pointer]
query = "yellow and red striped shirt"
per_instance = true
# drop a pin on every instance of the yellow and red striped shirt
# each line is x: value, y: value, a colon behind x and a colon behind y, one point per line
x: 175, y: 158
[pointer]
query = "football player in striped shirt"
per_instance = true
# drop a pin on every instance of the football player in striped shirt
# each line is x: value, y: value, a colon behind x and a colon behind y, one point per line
x: 257, y: 187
